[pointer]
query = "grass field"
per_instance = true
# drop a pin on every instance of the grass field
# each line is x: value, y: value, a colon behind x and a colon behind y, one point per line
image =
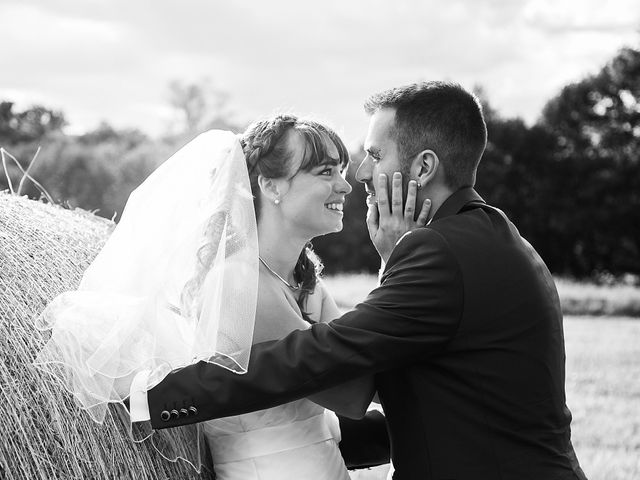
x: 602, y: 382
x: 603, y: 393
x: 577, y: 298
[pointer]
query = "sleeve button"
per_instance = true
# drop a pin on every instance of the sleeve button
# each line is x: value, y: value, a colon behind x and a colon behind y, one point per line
x: 165, y: 415
x: 193, y: 411
x: 175, y: 414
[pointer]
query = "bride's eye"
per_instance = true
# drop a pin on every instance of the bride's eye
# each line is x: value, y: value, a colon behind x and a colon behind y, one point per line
x: 327, y: 171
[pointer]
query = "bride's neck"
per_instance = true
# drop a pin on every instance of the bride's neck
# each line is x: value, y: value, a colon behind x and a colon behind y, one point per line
x: 279, y: 248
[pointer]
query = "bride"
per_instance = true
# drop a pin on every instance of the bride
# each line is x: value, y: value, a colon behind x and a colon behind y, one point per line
x: 296, y: 171
x: 212, y: 254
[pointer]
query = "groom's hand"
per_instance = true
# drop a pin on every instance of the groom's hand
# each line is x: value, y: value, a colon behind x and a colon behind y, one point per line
x: 389, y: 221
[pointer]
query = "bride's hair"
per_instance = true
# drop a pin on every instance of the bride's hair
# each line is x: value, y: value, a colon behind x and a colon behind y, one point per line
x: 267, y: 154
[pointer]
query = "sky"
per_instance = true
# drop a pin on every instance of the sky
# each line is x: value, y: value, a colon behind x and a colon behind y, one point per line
x: 113, y: 60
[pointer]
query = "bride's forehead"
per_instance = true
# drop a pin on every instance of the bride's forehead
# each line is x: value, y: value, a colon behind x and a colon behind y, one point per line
x: 307, y: 153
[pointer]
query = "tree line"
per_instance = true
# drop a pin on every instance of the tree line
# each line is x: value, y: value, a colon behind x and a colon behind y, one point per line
x: 570, y: 182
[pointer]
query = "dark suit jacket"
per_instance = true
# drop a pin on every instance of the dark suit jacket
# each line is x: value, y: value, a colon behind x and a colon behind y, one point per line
x: 365, y: 442
x: 465, y: 337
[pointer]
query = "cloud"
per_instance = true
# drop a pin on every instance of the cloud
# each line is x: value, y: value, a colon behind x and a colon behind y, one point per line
x: 113, y: 59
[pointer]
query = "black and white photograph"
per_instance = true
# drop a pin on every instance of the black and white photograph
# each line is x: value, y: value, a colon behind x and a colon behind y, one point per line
x: 339, y: 240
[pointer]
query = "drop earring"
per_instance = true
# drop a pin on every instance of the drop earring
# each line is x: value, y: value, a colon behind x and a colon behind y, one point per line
x: 277, y: 201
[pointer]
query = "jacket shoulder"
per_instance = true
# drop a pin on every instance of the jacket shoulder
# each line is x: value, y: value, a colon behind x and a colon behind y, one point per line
x: 422, y: 237
x: 426, y: 246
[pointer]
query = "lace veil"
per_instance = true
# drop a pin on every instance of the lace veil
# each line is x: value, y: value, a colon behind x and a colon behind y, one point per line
x: 176, y: 283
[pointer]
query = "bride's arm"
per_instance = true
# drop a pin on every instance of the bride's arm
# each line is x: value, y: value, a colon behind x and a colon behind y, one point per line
x: 350, y: 399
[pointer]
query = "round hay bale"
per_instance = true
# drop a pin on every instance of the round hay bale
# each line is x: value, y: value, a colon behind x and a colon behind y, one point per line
x: 44, y: 250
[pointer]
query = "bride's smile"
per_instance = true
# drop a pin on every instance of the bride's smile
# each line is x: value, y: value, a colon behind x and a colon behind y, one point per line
x: 335, y: 207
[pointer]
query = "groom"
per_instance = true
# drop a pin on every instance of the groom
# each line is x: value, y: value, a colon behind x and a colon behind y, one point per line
x: 464, y: 333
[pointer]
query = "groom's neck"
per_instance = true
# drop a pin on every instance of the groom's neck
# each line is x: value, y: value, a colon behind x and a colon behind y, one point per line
x: 438, y: 194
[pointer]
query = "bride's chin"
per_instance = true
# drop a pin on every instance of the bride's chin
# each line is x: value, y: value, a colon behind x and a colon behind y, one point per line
x: 327, y: 231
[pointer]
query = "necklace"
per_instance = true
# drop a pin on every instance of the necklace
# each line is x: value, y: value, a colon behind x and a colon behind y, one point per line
x: 292, y: 287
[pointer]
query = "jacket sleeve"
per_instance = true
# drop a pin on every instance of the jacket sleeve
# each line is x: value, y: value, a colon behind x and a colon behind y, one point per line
x: 413, y: 314
x: 365, y: 442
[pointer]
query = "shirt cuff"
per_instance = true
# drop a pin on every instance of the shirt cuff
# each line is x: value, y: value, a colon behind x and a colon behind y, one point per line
x: 383, y: 265
x: 138, y: 404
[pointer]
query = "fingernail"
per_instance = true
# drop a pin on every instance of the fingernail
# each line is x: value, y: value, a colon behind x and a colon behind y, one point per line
x: 412, y: 183
x: 397, y: 175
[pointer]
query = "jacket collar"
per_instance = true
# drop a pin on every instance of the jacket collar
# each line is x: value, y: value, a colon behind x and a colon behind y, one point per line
x: 456, y: 202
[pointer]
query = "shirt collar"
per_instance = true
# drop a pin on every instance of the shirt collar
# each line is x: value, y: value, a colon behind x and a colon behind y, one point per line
x: 456, y: 201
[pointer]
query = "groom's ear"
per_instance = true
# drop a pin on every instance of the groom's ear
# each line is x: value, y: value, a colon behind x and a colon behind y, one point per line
x: 424, y: 167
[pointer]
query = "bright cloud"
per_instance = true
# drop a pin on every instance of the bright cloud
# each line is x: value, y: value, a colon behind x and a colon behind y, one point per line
x: 113, y: 60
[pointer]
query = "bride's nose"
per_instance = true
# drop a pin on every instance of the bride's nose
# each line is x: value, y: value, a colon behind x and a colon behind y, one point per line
x: 342, y: 186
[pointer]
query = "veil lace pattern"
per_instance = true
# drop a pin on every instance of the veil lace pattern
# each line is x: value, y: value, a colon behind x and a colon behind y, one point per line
x: 175, y: 284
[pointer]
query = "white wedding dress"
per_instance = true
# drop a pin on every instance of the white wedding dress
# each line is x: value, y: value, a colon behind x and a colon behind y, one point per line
x: 132, y: 313
x: 297, y: 440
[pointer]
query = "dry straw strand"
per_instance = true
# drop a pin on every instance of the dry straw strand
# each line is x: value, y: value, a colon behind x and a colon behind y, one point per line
x: 44, y: 249
x: 25, y: 174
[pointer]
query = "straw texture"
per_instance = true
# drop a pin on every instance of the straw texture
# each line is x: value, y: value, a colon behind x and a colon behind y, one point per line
x: 44, y: 250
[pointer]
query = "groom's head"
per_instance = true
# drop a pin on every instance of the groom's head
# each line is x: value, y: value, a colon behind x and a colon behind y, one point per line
x: 432, y: 132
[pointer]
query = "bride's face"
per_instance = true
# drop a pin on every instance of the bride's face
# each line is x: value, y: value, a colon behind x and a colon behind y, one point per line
x: 313, y: 202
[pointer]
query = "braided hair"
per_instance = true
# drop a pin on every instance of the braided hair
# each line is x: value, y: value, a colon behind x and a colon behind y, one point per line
x: 267, y: 154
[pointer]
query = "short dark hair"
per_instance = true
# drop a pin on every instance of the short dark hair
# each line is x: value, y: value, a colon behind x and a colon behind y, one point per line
x: 441, y: 116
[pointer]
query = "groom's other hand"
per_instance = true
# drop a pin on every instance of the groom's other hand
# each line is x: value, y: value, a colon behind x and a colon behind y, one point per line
x: 365, y: 442
x: 387, y: 220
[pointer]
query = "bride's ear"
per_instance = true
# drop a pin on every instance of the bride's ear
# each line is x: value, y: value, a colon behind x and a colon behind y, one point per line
x: 270, y: 188
x: 424, y: 167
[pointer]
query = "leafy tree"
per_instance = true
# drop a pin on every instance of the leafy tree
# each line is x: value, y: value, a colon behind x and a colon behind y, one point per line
x: 571, y: 182
x: 596, y: 122
x: 28, y: 125
x: 516, y: 174
x: 97, y: 170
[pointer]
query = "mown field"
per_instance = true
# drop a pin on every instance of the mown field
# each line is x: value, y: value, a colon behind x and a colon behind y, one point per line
x: 603, y: 374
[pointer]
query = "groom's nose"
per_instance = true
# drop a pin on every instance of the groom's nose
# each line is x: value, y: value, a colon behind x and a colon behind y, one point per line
x: 364, y: 172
